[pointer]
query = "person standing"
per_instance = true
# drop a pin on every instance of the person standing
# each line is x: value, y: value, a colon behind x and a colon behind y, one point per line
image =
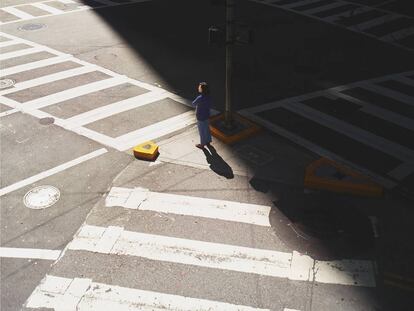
x: 202, y: 103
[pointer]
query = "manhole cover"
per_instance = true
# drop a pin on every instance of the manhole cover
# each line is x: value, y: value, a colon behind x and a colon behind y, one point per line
x: 106, y: 57
x: 46, y: 121
x: 31, y: 27
x: 6, y: 83
x: 41, y: 197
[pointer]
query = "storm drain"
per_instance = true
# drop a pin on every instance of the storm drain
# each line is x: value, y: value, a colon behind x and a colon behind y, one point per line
x: 31, y: 27
x: 46, y: 121
x: 41, y: 197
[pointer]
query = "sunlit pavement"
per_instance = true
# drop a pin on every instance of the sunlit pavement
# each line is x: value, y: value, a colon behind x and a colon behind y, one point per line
x: 87, y: 81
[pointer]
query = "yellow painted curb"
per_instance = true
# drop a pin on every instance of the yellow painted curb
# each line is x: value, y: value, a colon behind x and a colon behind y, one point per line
x: 251, y: 129
x: 146, y: 151
x: 361, y: 185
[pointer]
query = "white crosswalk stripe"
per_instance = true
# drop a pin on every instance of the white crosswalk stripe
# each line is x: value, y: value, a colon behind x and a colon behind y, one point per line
x: 85, y: 295
x: 10, y: 42
x: 80, y: 293
x: 117, y: 241
x: 34, y: 65
x: 323, y: 8
x: 371, y: 98
x: 143, y: 199
x: 70, y: 93
x: 118, y: 107
x: 23, y: 52
x: 336, y: 18
x: 398, y: 35
x: 44, y: 254
x: 348, y: 13
x: 47, y: 8
x: 18, y: 13
x: 374, y: 22
x: 76, y: 6
x: 78, y: 123
x: 49, y: 78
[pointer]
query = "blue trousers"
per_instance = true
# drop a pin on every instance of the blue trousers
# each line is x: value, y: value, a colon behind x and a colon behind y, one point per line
x: 204, y: 131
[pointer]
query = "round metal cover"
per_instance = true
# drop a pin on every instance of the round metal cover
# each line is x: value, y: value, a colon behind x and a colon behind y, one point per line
x: 41, y: 197
x: 5, y: 83
x: 46, y: 121
x: 31, y: 27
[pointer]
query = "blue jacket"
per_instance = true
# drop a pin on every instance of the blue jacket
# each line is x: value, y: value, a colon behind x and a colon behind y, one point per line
x: 202, y: 104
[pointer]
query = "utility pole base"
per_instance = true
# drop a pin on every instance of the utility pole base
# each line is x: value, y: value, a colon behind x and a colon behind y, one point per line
x: 239, y: 129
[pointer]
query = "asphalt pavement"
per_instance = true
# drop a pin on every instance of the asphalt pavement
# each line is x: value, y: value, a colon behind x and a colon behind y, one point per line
x: 83, y: 223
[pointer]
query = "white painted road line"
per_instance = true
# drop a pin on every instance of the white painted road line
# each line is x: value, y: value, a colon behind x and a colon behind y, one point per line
x: 379, y: 112
x: 400, y: 152
x: 8, y: 112
x: 374, y: 22
x: 324, y: 7
x: 115, y: 108
x: 398, y: 35
x: 82, y: 294
x: 298, y: 4
x: 350, y: 13
x: 9, y: 102
x: 19, y: 53
x: 388, y: 93
x: 145, y: 200
x: 387, y: 183
x: 98, y: 137
x: 47, y: 8
x: 402, y: 171
x: 49, y: 78
x: 67, y: 1
x: 156, y: 130
x: 71, y: 93
x: 190, y: 252
x: 29, y: 253
x: 34, y: 65
x: 221, y: 256
x: 18, y: 13
x: 10, y: 42
x: 52, y: 171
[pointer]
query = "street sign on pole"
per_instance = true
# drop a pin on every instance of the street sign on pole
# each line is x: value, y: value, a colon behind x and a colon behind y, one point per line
x: 215, y: 36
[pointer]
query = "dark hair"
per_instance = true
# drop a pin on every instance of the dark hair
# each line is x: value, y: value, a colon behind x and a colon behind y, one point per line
x: 205, y: 90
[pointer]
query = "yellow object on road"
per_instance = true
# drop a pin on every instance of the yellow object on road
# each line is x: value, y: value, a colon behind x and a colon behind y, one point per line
x: 146, y: 151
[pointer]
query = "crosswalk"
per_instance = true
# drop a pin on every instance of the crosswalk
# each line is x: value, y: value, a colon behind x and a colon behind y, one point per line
x: 29, y: 11
x: 390, y: 27
x: 367, y: 124
x: 75, y: 291
x: 52, y: 84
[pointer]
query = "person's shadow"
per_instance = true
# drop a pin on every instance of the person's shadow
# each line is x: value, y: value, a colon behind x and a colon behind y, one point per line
x: 217, y: 164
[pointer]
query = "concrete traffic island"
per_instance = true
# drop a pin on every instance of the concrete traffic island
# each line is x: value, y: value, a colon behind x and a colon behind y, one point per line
x: 325, y: 174
x: 240, y: 128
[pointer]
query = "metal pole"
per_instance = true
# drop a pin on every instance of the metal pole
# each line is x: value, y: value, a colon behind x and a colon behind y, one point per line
x: 229, y: 59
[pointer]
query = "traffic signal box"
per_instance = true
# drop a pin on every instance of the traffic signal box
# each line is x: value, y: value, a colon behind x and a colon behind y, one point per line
x: 328, y: 175
x: 146, y: 151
